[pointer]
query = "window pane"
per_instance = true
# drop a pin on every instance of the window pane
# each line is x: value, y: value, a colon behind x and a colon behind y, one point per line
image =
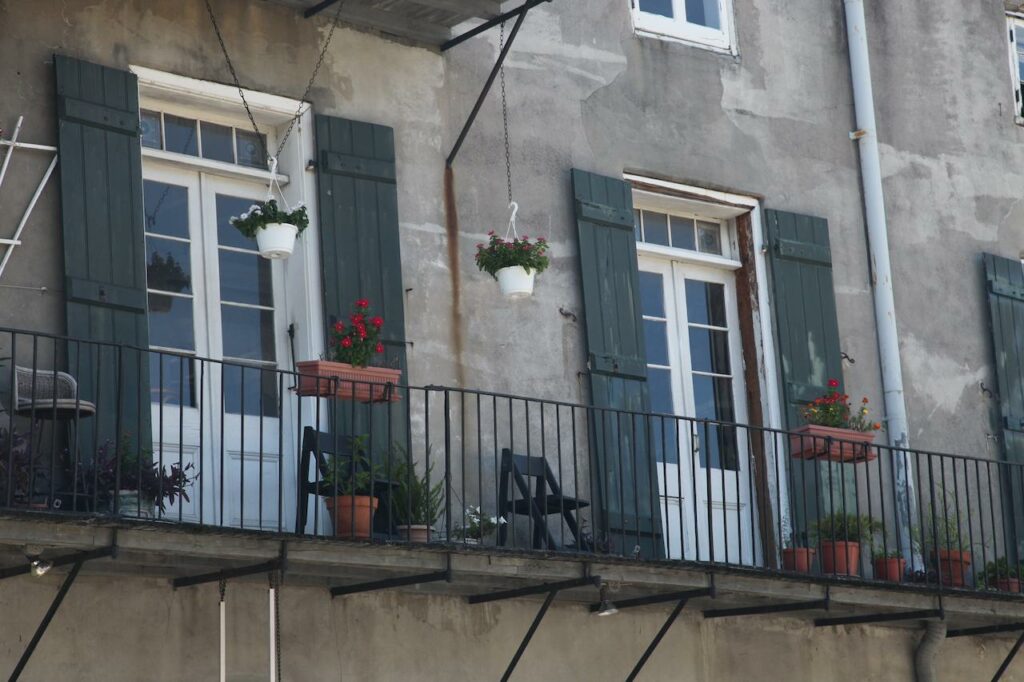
x: 655, y: 228
x: 244, y: 387
x: 149, y: 124
x: 709, y: 350
x: 659, y: 383
x: 709, y: 236
x: 652, y: 294
x: 176, y: 385
x: 682, y: 233
x: 227, y: 235
x: 248, y: 333
x: 662, y: 7
x: 245, y: 278
x: 714, y: 400
x: 251, y: 149
x: 180, y: 135
x: 703, y: 13
x: 664, y: 433
x: 166, y: 208
x: 705, y: 303
x: 168, y: 265
x: 218, y: 143
x: 170, y: 322
x: 656, y: 338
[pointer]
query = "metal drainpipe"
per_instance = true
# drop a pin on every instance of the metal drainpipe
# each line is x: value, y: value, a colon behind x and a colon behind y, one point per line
x: 881, y: 269
x: 924, y: 657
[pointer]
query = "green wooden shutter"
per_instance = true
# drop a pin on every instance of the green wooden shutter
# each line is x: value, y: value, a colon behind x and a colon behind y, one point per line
x: 359, y: 248
x: 625, y: 478
x: 1005, y: 278
x: 807, y: 329
x: 104, y: 243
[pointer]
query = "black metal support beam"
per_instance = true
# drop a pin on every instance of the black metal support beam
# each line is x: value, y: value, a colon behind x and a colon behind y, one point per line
x: 50, y: 613
x: 649, y: 600
x: 657, y: 639
x: 229, y: 573
x: 67, y: 559
x: 986, y: 630
x: 389, y: 583
x: 534, y: 589
x: 1009, y: 659
x: 880, y: 617
x: 529, y: 635
x: 319, y: 7
x: 476, y: 30
x: 816, y: 605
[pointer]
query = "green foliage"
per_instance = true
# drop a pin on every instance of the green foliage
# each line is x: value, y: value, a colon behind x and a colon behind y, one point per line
x: 498, y: 254
x: 834, y: 409
x: 846, y: 528
x: 415, y: 501
x: 356, y: 343
x: 999, y: 569
x: 351, y: 473
x: 264, y: 213
x: 940, y: 527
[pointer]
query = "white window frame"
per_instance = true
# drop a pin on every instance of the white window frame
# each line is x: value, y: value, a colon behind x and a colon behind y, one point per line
x: 1014, y: 34
x: 677, y: 28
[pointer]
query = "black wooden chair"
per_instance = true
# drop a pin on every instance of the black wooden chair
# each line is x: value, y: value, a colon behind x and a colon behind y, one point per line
x: 318, y: 445
x: 540, y: 501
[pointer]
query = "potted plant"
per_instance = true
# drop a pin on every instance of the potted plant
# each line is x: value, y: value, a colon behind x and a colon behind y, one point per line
x: 416, y: 505
x: 942, y: 534
x: 514, y: 263
x: 15, y: 463
x: 833, y: 430
x: 478, y: 527
x: 888, y: 565
x: 839, y: 537
x: 346, y: 373
x: 140, y: 486
x: 347, y: 487
x: 798, y: 559
x: 273, y: 229
x: 999, y: 575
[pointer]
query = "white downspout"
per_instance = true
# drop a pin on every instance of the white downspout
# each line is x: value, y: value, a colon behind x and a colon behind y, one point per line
x: 881, y: 269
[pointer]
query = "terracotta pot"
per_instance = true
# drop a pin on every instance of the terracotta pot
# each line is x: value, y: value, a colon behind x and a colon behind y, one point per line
x: 414, y: 533
x: 1008, y: 584
x: 327, y: 379
x: 827, y: 442
x: 952, y: 565
x: 353, y: 515
x: 798, y: 559
x: 889, y: 568
x: 840, y: 557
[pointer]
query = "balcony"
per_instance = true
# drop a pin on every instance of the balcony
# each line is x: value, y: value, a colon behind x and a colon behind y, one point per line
x: 156, y: 451
x: 427, y: 22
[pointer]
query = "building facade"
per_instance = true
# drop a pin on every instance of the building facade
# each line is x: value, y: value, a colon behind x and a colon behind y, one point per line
x: 701, y: 171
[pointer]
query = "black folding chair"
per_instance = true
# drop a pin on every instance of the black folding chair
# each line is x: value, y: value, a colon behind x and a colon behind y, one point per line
x: 543, y: 500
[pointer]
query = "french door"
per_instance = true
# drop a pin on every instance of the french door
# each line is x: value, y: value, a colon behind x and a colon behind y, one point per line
x: 694, y: 357
x: 211, y: 295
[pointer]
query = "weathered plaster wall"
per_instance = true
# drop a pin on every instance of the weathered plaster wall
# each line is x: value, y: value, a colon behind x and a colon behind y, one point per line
x: 130, y: 629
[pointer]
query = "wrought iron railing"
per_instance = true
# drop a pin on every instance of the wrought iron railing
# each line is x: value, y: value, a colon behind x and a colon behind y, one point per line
x: 168, y: 437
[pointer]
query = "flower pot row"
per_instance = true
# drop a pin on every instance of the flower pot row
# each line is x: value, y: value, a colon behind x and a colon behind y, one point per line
x: 843, y: 558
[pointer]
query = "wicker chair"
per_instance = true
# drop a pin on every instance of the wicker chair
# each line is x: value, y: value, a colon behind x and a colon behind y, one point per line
x: 48, y: 394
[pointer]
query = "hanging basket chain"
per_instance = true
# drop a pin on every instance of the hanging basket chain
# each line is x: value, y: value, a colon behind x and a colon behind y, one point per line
x: 241, y: 92
x: 275, y: 584
x: 504, y: 117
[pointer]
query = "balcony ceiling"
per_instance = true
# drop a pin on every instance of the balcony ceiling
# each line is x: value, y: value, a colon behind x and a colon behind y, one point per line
x: 427, y: 22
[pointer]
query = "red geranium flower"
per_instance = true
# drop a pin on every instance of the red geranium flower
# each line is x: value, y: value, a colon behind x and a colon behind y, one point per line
x: 380, y: 347
x: 338, y: 326
x: 357, y: 318
x: 377, y: 321
x: 346, y: 342
x: 362, y: 303
x: 833, y: 383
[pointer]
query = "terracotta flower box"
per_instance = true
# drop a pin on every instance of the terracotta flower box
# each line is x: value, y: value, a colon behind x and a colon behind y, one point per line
x: 327, y: 379
x: 811, y: 441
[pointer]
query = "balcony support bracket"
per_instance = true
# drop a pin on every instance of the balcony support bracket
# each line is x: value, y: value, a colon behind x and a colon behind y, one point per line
x: 277, y: 564
x: 814, y: 605
x: 67, y: 559
x: 925, y: 614
x: 390, y: 583
x: 995, y: 630
x: 681, y: 598
x: 1009, y: 658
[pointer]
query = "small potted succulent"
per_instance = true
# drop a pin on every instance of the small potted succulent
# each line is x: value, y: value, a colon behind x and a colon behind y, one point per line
x: 415, y: 503
x: 348, y: 489
x: 478, y: 527
x: 839, y: 537
x: 1000, y: 575
x: 514, y: 263
x: 346, y: 373
x: 834, y: 430
x: 273, y: 229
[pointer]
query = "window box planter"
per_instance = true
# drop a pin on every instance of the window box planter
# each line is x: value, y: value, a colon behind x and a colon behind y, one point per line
x: 840, y: 557
x: 811, y: 441
x: 277, y: 240
x: 953, y: 565
x: 516, y: 282
x: 889, y: 568
x: 352, y: 515
x: 329, y: 379
x: 798, y: 559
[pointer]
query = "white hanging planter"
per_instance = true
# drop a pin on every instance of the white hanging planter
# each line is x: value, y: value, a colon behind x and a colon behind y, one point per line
x: 516, y: 282
x: 277, y: 240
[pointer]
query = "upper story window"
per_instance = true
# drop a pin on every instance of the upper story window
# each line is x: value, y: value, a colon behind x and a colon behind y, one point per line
x: 1016, y: 35
x: 702, y: 22
x: 205, y: 139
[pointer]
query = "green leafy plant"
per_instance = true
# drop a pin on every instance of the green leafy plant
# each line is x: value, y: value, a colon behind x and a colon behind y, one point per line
x: 498, y: 253
x: 478, y: 526
x: 264, y: 213
x: 350, y: 473
x: 940, y: 527
x: 415, y: 501
x: 997, y: 570
x: 845, y: 528
x: 834, y: 409
x: 357, y: 342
